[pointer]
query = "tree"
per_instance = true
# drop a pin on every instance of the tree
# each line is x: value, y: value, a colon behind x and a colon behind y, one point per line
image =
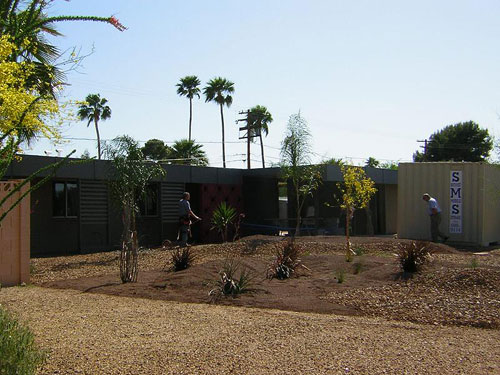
x: 94, y: 109
x: 372, y: 162
x: 27, y: 23
x: 219, y: 90
x: 188, y: 153
x: 188, y: 87
x: 23, y: 111
x: 390, y: 165
x: 356, y: 191
x: 259, y: 120
x: 295, y: 163
x: 464, y: 141
x: 156, y: 149
x: 129, y: 177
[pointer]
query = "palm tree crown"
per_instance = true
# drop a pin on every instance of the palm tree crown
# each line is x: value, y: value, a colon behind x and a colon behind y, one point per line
x: 188, y: 87
x: 189, y: 153
x: 219, y: 90
x: 94, y: 109
x: 259, y: 119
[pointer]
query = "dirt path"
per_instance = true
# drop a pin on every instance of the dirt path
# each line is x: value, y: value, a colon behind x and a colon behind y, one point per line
x: 97, y: 334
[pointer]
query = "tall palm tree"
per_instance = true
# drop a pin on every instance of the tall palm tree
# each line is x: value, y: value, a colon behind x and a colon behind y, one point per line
x: 219, y: 90
x: 259, y: 120
x: 93, y: 110
x: 189, y: 153
x: 188, y: 87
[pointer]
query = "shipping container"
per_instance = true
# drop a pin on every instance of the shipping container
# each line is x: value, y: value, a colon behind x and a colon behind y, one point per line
x: 468, y: 195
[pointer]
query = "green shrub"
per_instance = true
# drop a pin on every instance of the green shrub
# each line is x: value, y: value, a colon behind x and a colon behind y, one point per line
x: 340, y: 275
x: 358, y: 251
x: 229, y: 284
x: 357, y: 267
x: 18, y: 353
x: 285, y: 261
x: 413, y: 255
x: 182, y: 258
x: 474, y: 263
x: 223, y: 215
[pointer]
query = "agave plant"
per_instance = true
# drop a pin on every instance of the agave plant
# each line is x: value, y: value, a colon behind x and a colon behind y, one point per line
x: 223, y: 215
x: 229, y: 284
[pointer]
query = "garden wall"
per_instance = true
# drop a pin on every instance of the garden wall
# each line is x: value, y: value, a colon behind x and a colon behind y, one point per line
x: 14, y: 237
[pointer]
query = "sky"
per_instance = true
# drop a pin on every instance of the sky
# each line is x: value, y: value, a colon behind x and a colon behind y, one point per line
x: 370, y: 77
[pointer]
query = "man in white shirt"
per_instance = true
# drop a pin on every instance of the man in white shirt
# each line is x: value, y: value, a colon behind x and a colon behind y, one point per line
x: 435, y: 214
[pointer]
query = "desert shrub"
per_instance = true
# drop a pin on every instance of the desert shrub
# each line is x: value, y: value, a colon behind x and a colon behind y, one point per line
x: 358, y: 266
x: 358, y: 251
x: 285, y: 261
x: 229, y: 282
x: 413, y: 255
x: 340, y: 275
x: 18, y: 352
x: 474, y: 263
x: 182, y: 258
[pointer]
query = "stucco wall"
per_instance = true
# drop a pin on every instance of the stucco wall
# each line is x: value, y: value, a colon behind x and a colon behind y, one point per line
x: 14, y: 238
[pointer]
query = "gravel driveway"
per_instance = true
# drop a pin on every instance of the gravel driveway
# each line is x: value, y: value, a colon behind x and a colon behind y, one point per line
x: 98, y: 334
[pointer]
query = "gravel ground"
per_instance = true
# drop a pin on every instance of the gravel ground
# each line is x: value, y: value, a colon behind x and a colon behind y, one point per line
x: 96, y: 334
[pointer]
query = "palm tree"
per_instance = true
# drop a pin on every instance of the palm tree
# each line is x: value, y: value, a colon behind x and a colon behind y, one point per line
x: 188, y: 153
x: 94, y: 109
x: 259, y: 120
x: 188, y: 86
x: 219, y: 90
x: 27, y: 24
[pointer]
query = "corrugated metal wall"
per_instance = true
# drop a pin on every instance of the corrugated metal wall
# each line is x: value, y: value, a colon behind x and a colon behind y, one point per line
x: 480, y: 206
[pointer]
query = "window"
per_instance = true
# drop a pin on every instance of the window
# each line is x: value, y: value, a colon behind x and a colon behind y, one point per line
x: 148, y: 204
x: 65, y: 199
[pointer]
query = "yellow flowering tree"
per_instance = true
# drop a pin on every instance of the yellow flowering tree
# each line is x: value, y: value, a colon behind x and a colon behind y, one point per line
x: 23, y: 114
x: 23, y: 111
x: 356, y: 191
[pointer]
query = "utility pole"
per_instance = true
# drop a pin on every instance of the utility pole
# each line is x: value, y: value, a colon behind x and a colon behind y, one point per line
x: 249, y: 134
x: 424, y: 147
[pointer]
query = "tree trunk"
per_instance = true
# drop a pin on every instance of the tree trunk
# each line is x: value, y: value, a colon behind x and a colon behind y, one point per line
x: 96, y: 121
x: 262, y: 149
x: 128, y: 254
x: 297, y: 196
x: 223, y: 139
x: 190, y: 116
x: 348, y: 253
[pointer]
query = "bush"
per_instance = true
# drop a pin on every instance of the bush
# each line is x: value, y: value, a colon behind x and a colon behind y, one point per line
x: 359, y: 251
x: 182, y: 258
x: 285, y: 262
x: 229, y: 283
x: 223, y: 215
x: 412, y: 256
x: 358, y: 266
x: 18, y: 353
x: 340, y: 275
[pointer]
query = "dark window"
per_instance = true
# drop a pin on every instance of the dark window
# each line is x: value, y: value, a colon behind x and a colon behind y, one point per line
x: 65, y: 199
x: 148, y: 204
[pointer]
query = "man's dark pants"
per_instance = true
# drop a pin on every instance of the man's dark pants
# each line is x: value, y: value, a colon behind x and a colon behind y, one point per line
x: 435, y: 233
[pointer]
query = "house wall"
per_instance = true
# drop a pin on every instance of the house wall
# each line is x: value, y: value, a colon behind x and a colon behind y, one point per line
x: 51, y: 235
x: 14, y: 237
x: 391, y: 209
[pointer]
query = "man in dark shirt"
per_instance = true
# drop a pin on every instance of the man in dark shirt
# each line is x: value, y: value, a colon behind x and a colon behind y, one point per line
x: 185, y: 215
